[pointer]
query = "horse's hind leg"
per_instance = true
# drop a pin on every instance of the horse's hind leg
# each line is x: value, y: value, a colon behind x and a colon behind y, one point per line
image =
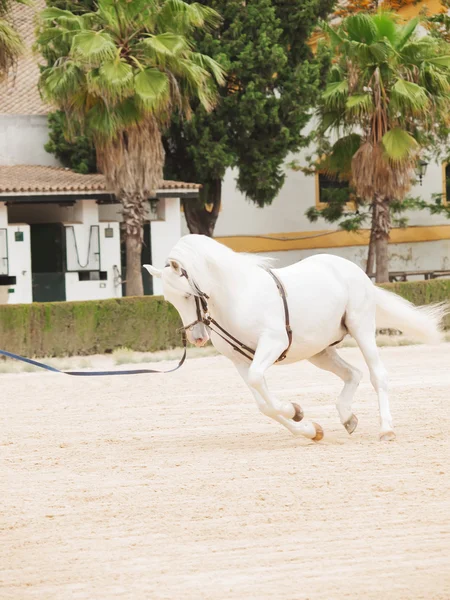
x: 329, y: 360
x: 364, y: 335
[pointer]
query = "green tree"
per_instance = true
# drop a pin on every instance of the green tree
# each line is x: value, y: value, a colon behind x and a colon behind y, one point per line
x: 77, y: 154
x: 118, y: 74
x: 387, y: 95
x: 272, y: 82
x: 11, y: 46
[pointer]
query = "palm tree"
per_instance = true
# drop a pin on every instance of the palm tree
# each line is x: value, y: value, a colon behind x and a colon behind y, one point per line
x: 388, y: 90
x: 10, y: 42
x: 119, y: 73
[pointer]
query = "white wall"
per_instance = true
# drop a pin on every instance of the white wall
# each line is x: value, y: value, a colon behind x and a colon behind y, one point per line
x: 3, y: 239
x: 15, y: 258
x: 410, y: 257
x: 164, y: 235
x: 95, y: 252
x: 240, y: 216
x: 20, y: 265
x: 22, y: 140
x: 82, y: 219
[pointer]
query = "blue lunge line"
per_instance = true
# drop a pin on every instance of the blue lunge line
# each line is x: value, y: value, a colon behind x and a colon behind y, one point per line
x: 35, y: 363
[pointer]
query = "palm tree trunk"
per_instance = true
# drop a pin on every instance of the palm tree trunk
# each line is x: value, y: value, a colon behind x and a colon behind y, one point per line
x: 201, y: 216
x: 371, y: 251
x: 382, y: 228
x: 134, y: 285
x: 133, y: 214
x: 132, y: 164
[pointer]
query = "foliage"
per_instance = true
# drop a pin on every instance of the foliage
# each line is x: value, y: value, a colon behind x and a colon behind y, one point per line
x: 118, y: 73
x: 385, y: 104
x: 78, y: 155
x: 387, y: 90
x: 91, y: 327
x: 423, y: 292
x: 11, y: 45
x: 146, y: 324
x: 272, y: 82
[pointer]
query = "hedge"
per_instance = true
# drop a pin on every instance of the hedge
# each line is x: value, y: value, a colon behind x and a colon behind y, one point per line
x: 144, y: 324
x: 423, y: 292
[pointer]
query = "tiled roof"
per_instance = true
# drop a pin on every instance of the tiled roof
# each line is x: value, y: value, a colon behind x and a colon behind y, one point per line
x: 33, y: 179
x: 19, y: 94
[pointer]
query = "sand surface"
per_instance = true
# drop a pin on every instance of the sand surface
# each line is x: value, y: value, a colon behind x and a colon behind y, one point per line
x: 176, y: 487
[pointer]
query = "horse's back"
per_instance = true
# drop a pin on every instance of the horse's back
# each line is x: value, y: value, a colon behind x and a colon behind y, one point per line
x: 322, y: 290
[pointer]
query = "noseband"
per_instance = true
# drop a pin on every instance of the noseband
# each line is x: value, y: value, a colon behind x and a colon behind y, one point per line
x: 205, y: 318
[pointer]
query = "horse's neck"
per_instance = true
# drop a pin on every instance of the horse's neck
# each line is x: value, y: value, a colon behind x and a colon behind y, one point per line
x: 229, y: 285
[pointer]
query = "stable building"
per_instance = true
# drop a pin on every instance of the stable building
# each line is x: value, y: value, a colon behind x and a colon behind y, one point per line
x: 60, y: 230
x: 60, y: 234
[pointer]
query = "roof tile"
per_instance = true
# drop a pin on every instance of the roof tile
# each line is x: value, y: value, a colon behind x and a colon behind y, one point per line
x: 34, y: 179
x: 19, y: 94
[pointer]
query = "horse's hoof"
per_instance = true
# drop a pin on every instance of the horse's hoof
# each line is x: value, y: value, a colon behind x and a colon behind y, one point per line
x: 351, y: 424
x: 387, y: 436
x: 298, y: 416
x: 319, y: 432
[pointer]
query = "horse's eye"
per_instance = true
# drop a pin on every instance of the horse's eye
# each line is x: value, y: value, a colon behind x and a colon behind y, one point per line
x: 187, y: 296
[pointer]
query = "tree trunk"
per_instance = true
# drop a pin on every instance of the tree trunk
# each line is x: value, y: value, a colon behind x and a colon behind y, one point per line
x: 132, y: 163
x: 133, y: 214
x: 382, y: 228
x: 371, y: 251
x: 134, y: 285
x: 201, y: 215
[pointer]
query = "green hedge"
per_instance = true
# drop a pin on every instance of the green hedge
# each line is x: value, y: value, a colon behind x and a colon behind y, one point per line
x: 423, y: 292
x: 90, y: 327
x: 144, y: 324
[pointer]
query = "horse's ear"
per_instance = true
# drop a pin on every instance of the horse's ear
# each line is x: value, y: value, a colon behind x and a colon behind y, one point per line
x: 153, y: 271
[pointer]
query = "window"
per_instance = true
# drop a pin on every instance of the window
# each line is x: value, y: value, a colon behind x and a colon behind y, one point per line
x: 445, y: 183
x: 325, y: 182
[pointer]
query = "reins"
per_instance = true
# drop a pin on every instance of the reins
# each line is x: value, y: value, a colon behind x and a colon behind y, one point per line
x: 35, y: 363
x: 204, y: 317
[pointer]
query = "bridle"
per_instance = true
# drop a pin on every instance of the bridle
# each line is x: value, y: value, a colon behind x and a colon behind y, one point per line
x: 203, y: 316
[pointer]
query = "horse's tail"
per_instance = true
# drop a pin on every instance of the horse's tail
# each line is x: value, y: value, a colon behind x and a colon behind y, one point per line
x: 423, y: 323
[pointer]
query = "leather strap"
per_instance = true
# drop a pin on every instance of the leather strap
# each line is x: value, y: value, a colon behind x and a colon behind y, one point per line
x: 241, y: 348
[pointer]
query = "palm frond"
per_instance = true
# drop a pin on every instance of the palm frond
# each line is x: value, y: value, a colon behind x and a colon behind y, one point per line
x: 408, y: 98
x: 11, y: 47
x: 361, y: 28
x: 335, y: 94
x: 152, y: 89
x: 405, y: 33
x: 359, y: 105
x: 93, y: 47
x: 207, y: 64
x: 399, y: 145
x: 168, y: 44
x: 386, y: 26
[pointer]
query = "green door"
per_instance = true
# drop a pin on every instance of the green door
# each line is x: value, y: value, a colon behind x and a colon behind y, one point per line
x: 47, y: 262
x: 146, y: 259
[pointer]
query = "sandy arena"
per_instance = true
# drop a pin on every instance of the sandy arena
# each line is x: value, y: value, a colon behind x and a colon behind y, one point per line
x: 175, y: 487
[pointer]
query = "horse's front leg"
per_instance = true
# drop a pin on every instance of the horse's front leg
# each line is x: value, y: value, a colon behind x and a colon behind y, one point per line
x: 288, y: 414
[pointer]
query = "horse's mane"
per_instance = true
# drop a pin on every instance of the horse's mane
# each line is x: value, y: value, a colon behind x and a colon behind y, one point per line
x: 202, y: 257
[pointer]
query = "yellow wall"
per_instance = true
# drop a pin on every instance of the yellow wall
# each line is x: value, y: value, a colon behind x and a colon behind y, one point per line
x: 278, y: 242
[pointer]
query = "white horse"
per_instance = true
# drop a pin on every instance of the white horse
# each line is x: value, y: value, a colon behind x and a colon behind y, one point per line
x: 327, y: 297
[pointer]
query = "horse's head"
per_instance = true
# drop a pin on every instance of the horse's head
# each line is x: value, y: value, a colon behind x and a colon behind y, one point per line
x: 181, y: 291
